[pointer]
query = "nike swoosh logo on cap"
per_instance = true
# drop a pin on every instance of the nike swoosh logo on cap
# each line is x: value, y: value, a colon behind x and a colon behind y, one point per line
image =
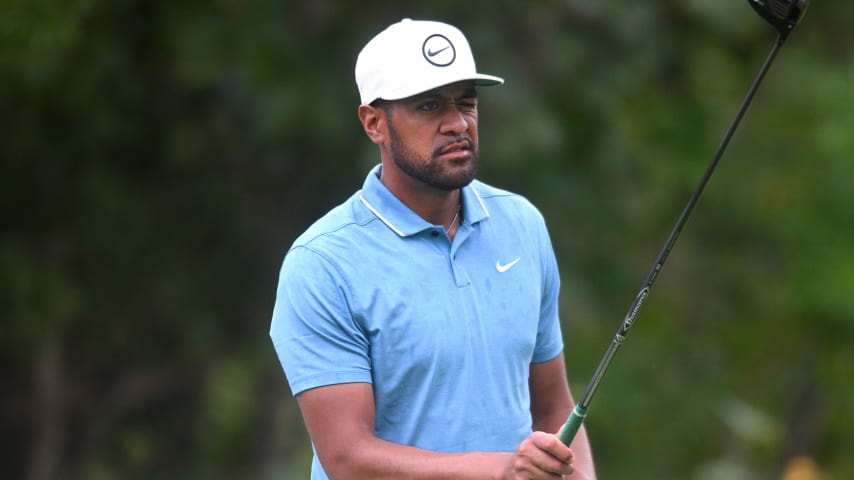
x: 431, y: 53
x: 503, y: 268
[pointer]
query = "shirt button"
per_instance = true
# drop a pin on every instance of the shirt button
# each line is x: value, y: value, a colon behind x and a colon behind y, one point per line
x: 435, y: 233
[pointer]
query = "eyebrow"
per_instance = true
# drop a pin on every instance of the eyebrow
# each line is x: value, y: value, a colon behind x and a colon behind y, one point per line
x: 469, y: 93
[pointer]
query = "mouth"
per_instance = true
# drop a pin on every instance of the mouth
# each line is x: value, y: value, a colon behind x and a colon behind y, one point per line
x: 459, y: 149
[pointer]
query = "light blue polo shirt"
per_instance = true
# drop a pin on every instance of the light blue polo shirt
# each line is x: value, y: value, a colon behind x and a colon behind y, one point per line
x: 445, y: 332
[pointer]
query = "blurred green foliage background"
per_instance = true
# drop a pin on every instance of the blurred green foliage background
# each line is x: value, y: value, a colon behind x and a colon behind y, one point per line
x: 158, y: 158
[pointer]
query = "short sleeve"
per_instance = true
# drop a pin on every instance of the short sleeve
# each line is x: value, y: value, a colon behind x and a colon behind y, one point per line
x: 314, y: 334
x: 549, y: 337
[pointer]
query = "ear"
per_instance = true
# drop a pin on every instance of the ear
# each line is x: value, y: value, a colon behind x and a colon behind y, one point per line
x: 374, y: 122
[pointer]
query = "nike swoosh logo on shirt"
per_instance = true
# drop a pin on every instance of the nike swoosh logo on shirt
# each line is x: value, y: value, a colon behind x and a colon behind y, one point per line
x: 503, y: 268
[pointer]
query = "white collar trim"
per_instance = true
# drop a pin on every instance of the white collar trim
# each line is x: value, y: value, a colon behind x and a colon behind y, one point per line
x: 375, y: 212
x: 480, y: 200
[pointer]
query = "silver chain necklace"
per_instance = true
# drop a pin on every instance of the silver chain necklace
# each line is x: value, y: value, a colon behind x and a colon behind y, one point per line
x: 454, y: 220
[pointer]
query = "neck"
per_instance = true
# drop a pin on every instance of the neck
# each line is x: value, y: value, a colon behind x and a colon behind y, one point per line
x: 433, y: 205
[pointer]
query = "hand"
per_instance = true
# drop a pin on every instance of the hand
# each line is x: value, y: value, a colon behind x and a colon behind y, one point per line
x: 540, y: 456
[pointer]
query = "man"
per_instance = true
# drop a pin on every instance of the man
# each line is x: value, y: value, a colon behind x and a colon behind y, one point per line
x: 417, y: 322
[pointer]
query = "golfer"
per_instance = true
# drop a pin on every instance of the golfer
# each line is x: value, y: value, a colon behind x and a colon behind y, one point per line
x: 417, y: 322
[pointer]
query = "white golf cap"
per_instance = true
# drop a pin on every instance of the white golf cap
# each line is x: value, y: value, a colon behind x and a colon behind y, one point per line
x: 414, y: 56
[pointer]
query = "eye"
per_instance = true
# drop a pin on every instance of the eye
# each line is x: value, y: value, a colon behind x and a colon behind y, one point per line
x: 429, y: 106
x: 467, y: 106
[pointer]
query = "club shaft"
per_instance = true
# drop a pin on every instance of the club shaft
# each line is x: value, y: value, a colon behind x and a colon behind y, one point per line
x: 573, y: 423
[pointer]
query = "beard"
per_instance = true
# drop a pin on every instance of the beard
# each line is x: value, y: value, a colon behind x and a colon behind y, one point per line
x: 429, y: 170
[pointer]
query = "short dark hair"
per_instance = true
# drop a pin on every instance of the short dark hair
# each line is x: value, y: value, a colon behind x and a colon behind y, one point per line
x: 381, y: 103
x: 385, y: 105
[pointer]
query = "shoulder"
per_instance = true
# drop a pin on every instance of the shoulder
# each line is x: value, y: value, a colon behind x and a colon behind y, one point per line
x: 337, y: 222
x: 337, y: 232
x: 504, y: 203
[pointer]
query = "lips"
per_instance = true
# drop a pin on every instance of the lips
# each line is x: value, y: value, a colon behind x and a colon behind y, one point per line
x: 463, y: 145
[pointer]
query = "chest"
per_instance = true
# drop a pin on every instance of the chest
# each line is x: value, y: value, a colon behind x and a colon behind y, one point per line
x: 437, y: 311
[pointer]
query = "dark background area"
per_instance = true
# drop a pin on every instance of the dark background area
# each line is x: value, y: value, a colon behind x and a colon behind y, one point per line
x: 158, y: 158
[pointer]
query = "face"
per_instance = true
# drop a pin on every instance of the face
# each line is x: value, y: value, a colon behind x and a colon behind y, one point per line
x: 433, y: 136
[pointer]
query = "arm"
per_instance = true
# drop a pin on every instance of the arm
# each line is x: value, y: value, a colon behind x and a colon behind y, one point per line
x: 551, y: 405
x: 340, y: 421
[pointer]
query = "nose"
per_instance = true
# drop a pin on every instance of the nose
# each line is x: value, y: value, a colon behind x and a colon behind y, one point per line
x: 454, y: 121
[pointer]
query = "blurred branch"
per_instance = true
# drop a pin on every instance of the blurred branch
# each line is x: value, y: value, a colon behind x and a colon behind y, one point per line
x: 48, y: 430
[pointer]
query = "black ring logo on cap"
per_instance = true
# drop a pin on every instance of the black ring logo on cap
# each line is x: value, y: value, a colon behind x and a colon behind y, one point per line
x: 438, y: 50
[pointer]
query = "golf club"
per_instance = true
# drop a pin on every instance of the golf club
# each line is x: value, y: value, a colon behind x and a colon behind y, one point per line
x: 783, y: 15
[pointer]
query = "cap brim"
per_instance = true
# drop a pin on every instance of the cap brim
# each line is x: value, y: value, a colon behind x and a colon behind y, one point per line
x: 479, y: 79
x: 487, y: 80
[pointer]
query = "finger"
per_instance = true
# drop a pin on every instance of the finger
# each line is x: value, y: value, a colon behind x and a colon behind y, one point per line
x: 549, y: 455
x: 553, y: 446
x: 567, y: 475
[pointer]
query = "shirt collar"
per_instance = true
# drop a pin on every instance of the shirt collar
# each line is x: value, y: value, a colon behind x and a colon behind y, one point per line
x: 400, y: 218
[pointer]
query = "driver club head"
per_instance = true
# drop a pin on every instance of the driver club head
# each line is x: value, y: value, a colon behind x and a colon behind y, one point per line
x: 783, y: 15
